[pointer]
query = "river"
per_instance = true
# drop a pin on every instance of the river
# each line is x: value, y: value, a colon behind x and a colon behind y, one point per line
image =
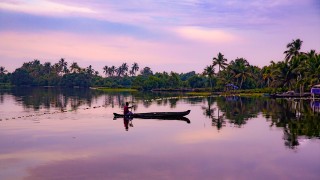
x: 52, y: 133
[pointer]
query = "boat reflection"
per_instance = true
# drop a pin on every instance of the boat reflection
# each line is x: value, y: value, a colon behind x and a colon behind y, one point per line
x: 127, y: 121
x: 169, y: 118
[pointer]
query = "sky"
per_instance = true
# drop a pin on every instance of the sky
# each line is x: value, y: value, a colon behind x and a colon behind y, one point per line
x: 165, y: 35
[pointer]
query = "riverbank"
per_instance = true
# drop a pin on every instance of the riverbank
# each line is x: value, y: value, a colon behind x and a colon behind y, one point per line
x: 114, y: 89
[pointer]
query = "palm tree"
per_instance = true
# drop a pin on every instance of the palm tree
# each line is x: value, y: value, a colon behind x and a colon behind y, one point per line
x: 106, y: 70
x: 227, y: 77
x: 209, y: 71
x: 111, y: 71
x: 119, y: 71
x: 124, y: 68
x: 220, y: 61
x: 267, y: 75
x: 312, y: 68
x: 241, y: 70
x: 63, y: 66
x: 243, y: 74
x: 2, y: 70
x: 293, y: 49
x: 284, y: 75
x: 134, y: 68
x: 47, y: 67
x: 90, y: 70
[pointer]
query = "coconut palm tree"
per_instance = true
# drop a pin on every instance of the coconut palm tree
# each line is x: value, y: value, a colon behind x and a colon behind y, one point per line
x: 312, y: 68
x: 90, y: 70
x: 241, y: 69
x: 284, y: 75
x: 47, y: 67
x: 227, y: 76
x: 220, y: 61
x: 293, y: 49
x: 124, y: 68
x: 209, y: 71
x: 118, y: 71
x: 2, y: 70
x: 111, y: 71
x: 62, y: 67
x: 106, y: 70
x: 243, y: 74
x: 134, y: 68
x: 267, y: 75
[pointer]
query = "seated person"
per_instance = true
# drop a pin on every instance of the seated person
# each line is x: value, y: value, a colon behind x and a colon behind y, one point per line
x: 126, y: 111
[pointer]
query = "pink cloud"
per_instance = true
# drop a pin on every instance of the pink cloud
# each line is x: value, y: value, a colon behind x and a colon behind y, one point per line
x: 44, y: 8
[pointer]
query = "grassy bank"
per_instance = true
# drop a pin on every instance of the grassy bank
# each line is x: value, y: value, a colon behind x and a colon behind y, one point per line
x: 225, y: 94
x: 199, y: 93
x: 115, y: 89
x: 196, y: 92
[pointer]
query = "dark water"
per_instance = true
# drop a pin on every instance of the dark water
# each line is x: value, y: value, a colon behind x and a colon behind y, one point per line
x: 71, y: 134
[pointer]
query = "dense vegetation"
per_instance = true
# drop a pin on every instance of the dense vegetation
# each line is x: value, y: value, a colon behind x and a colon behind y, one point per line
x: 298, y: 71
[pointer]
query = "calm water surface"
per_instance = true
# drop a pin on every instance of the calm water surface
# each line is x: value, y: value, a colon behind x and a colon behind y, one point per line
x: 71, y: 134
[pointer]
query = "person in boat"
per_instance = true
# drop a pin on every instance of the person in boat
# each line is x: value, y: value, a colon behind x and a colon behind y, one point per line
x: 126, y: 111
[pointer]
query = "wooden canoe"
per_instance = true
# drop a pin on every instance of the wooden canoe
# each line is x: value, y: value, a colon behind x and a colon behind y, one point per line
x: 156, y: 115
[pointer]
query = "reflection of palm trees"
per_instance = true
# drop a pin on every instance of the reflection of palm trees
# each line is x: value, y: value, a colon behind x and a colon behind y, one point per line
x: 219, y: 121
x: 295, y: 118
x: 173, y: 103
x: 291, y: 139
x: 209, y: 112
x: 38, y: 98
x: 1, y: 97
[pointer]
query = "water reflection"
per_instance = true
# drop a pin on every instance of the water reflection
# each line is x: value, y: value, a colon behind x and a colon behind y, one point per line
x: 209, y: 111
x: 127, y: 122
x: 37, y: 98
x: 298, y: 119
x: 295, y: 117
x: 315, y: 105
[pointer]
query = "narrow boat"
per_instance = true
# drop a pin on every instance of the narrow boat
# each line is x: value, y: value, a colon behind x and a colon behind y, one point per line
x: 156, y: 115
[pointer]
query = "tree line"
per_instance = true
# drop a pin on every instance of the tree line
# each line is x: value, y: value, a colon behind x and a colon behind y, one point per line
x: 298, y: 71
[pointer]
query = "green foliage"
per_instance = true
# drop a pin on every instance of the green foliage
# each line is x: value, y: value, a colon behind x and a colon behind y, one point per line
x: 4, y: 76
x: 146, y: 71
x: 76, y: 79
x: 21, y: 77
x: 197, y: 81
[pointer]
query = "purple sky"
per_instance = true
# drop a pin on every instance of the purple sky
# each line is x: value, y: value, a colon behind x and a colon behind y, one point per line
x: 165, y: 35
